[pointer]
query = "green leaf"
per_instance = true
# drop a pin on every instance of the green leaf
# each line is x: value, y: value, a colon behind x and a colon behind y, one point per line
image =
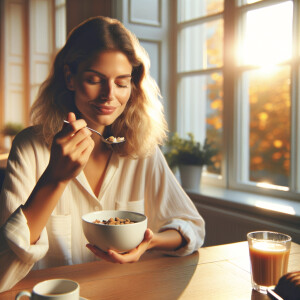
x: 188, y: 151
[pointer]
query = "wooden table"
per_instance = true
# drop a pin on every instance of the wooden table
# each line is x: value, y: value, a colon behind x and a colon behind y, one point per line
x: 218, y: 273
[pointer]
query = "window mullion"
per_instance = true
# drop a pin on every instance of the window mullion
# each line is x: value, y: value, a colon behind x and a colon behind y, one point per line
x: 229, y: 107
x: 295, y: 103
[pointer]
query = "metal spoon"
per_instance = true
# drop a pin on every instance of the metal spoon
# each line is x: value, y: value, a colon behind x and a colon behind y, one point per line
x: 107, y: 141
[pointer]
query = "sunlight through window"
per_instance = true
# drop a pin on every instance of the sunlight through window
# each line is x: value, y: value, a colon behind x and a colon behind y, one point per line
x: 276, y: 207
x: 266, y: 185
x: 267, y: 39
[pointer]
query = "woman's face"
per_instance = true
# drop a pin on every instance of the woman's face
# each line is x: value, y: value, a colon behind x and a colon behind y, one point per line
x: 102, y: 88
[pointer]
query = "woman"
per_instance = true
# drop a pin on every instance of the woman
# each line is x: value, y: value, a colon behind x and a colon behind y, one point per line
x: 57, y: 172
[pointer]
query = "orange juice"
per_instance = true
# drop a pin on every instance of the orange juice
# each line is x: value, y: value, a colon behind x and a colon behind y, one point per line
x: 269, y: 261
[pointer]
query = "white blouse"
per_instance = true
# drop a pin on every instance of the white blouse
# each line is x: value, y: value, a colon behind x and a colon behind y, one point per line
x: 143, y: 185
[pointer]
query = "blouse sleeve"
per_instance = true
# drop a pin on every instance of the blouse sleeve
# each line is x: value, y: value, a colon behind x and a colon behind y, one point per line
x: 17, y: 256
x: 169, y: 207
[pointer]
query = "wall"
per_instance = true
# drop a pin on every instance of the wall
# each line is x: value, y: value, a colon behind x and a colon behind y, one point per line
x: 78, y: 10
x: 227, y: 222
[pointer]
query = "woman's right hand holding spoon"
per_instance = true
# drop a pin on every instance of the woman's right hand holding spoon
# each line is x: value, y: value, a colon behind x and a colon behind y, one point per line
x: 70, y: 150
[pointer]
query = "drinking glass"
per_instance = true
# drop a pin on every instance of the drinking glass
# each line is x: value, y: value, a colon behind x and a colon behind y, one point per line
x: 269, y: 254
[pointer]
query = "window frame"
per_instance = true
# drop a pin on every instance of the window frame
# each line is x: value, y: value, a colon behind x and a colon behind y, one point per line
x: 32, y: 58
x: 233, y: 110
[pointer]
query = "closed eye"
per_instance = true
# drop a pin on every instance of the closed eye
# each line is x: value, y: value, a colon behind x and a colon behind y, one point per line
x: 123, y: 83
x: 94, y: 80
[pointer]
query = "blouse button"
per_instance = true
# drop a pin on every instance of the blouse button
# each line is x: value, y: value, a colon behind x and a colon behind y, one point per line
x: 96, y: 208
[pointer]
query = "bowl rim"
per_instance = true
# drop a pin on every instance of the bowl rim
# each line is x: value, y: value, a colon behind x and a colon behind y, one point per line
x: 114, y: 210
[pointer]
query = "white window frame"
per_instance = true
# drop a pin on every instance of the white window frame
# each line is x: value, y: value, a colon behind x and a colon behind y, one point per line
x: 235, y: 159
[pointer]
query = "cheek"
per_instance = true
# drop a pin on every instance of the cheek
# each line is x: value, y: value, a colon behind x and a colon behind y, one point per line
x: 84, y: 89
x: 124, y: 97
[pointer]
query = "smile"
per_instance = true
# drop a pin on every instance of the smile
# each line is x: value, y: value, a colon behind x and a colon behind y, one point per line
x: 104, y: 110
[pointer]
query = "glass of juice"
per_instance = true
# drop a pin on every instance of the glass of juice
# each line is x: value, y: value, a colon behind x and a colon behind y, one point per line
x: 269, y: 255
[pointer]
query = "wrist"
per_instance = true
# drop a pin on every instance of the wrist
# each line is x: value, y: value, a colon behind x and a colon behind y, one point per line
x: 169, y: 240
x: 48, y: 177
x: 154, y: 241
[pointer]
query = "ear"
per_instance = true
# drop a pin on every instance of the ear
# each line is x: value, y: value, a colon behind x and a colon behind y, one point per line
x: 69, y: 78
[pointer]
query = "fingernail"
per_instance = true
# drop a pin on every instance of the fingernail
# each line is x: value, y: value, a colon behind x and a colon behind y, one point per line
x: 89, y: 246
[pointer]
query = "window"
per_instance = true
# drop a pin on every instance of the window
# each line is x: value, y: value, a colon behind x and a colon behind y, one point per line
x: 200, y: 33
x: 32, y: 31
x: 238, y: 85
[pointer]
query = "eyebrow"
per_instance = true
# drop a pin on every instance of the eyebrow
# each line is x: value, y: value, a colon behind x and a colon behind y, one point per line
x: 102, y: 75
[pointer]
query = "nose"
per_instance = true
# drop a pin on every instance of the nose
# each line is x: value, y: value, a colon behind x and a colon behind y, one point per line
x: 107, y: 90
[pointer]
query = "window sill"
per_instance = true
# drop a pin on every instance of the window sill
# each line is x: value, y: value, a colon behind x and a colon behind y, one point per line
x: 257, y: 205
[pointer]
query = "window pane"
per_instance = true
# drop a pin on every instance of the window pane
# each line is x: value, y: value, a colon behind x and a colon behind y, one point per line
x: 267, y: 38
x: 192, y: 9
x: 243, y: 2
x: 60, y: 23
x: 269, y: 140
x: 252, y: 1
x: 199, y: 111
x: 200, y: 46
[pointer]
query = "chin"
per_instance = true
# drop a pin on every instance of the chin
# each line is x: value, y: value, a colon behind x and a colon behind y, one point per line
x: 107, y: 120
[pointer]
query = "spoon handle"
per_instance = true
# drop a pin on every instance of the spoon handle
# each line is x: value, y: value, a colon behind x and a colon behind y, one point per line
x: 102, y: 137
x: 94, y: 131
x: 87, y: 128
x: 65, y: 121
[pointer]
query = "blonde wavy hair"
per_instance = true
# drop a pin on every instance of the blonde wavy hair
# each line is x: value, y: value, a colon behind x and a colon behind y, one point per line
x: 142, y: 123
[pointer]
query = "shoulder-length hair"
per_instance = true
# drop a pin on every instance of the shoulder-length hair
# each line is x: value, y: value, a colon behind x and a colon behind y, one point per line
x: 142, y: 123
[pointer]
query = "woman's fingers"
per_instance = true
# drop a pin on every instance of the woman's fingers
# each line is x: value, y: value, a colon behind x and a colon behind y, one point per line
x: 71, y: 117
x: 74, y: 138
x: 98, y: 252
x: 73, y: 145
x: 134, y: 254
x: 69, y: 130
x: 71, y: 149
x: 128, y: 257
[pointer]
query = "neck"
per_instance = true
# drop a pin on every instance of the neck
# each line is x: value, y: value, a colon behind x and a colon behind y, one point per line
x: 100, y: 147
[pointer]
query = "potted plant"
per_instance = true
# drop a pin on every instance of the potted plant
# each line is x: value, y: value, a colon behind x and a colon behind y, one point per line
x: 190, y: 157
x: 11, y: 129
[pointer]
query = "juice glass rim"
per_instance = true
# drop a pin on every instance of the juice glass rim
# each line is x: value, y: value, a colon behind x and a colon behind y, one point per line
x: 288, y: 237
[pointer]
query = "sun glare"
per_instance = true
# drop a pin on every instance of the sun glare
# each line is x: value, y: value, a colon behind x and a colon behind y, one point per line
x: 276, y: 207
x: 267, y: 185
x: 267, y: 38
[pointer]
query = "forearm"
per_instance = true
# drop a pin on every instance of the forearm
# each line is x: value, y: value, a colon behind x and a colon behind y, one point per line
x: 41, y: 203
x: 170, y: 239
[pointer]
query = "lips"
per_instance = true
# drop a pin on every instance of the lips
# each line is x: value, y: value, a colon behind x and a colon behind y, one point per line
x: 104, y: 109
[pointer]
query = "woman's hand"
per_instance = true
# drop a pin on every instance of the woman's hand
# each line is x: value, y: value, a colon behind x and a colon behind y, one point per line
x: 70, y: 150
x: 128, y: 257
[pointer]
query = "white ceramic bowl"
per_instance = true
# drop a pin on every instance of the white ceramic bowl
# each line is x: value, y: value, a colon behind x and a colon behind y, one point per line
x: 121, y: 238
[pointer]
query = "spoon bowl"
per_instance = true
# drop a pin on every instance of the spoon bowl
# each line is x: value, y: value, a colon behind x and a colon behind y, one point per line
x: 110, y: 140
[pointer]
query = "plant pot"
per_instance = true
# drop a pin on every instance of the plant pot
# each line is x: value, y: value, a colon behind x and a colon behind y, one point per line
x: 190, y: 176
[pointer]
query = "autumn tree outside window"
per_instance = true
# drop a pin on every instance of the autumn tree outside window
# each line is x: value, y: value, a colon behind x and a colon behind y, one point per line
x: 238, y: 85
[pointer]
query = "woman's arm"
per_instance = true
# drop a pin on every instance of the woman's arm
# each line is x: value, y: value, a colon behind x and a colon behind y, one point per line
x: 176, y: 226
x: 70, y: 152
x: 41, y: 203
x: 168, y: 240
x: 23, y: 237
x: 168, y: 207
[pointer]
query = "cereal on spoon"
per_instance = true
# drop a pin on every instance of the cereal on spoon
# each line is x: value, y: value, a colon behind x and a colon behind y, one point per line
x: 113, y: 139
